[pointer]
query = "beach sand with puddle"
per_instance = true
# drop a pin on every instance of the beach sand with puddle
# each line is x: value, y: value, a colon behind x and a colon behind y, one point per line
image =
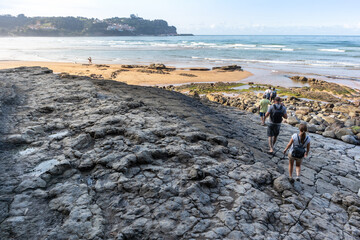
x: 132, y: 76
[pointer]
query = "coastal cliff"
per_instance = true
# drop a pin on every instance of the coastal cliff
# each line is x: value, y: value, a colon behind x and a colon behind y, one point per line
x: 81, y: 26
x: 84, y: 158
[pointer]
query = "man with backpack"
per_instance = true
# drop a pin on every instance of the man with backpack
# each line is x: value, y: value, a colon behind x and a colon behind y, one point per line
x: 273, y: 95
x: 277, y: 112
x: 268, y: 93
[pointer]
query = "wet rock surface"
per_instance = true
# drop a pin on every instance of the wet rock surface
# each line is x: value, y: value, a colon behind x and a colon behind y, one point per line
x: 83, y: 158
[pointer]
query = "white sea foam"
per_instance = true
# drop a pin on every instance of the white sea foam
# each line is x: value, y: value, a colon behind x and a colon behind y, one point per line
x: 332, y: 50
x: 273, y: 46
x: 243, y: 45
x: 302, y: 62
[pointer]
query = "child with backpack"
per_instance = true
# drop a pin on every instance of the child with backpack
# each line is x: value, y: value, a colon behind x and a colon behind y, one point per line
x: 298, y: 143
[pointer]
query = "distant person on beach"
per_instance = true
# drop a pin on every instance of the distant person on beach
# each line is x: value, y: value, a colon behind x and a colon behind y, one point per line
x: 268, y: 93
x: 90, y: 60
x: 298, y: 143
x: 263, y: 107
x: 273, y: 95
x: 277, y: 112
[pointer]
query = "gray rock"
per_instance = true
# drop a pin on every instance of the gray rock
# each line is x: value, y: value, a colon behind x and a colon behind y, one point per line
x: 209, y: 181
x: 18, y: 139
x: 32, y: 183
x: 350, y: 139
x: 312, y: 128
x: 282, y: 183
x: 339, y: 133
x: 292, y: 120
x: 80, y: 142
x: 330, y: 134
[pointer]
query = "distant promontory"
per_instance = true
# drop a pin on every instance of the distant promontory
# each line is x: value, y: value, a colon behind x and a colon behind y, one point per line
x: 81, y: 26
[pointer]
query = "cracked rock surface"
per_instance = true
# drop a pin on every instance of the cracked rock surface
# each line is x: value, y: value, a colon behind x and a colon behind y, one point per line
x: 94, y: 159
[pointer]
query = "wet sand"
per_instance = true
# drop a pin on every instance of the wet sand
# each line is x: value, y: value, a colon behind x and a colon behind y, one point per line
x: 132, y: 76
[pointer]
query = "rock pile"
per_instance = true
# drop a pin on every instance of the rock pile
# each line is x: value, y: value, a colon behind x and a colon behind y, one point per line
x: 339, y: 120
x: 82, y: 158
x: 319, y: 86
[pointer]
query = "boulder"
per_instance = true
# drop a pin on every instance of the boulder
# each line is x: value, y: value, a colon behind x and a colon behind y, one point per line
x: 298, y: 78
x: 342, y: 132
x: 312, y: 128
x: 230, y: 68
x: 305, y: 109
x: 314, y: 121
x: 282, y: 183
x: 353, y: 114
x: 349, y: 139
x: 320, y: 127
x: 330, y: 120
x: 292, y: 120
x: 306, y: 118
x: 330, y: 134
x: 157, y: 66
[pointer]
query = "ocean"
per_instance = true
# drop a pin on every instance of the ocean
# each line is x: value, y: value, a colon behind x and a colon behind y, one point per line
x: 271, y: 58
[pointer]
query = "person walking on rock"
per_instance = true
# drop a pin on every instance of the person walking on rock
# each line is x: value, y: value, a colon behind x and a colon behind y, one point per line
x: 268, y: 93
x: 263, y: 107
x: 298, y: 143
x: 277, y: 112
x: 273, y: 95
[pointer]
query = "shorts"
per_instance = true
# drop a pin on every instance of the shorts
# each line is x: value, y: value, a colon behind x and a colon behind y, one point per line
x: 273, y: 130
x: 262, y: 114
x: 294, y: 158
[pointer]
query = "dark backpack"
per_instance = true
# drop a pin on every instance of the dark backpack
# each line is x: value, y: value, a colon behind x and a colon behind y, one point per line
x: 299, y: 150
x: 268, y: 95
x: 273, y: 94
x: 276, y: 114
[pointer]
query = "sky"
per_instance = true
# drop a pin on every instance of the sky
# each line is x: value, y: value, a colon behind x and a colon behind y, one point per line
x: 212, y: 17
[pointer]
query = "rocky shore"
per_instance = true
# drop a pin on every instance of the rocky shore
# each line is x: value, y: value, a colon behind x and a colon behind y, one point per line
x: 338, y: 117
x: 84, y: 158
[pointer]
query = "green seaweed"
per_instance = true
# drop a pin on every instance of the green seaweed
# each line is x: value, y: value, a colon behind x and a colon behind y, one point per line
x: 356, y: 129
x: 204, y: 88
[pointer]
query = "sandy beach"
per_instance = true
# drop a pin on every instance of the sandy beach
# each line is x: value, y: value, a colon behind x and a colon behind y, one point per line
x: 132, y: 75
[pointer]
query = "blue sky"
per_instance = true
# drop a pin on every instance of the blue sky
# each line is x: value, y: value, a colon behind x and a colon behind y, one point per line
x: 212, y: 16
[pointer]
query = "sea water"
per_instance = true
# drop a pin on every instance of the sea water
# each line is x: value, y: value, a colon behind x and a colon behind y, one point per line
x: 271, y: 58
